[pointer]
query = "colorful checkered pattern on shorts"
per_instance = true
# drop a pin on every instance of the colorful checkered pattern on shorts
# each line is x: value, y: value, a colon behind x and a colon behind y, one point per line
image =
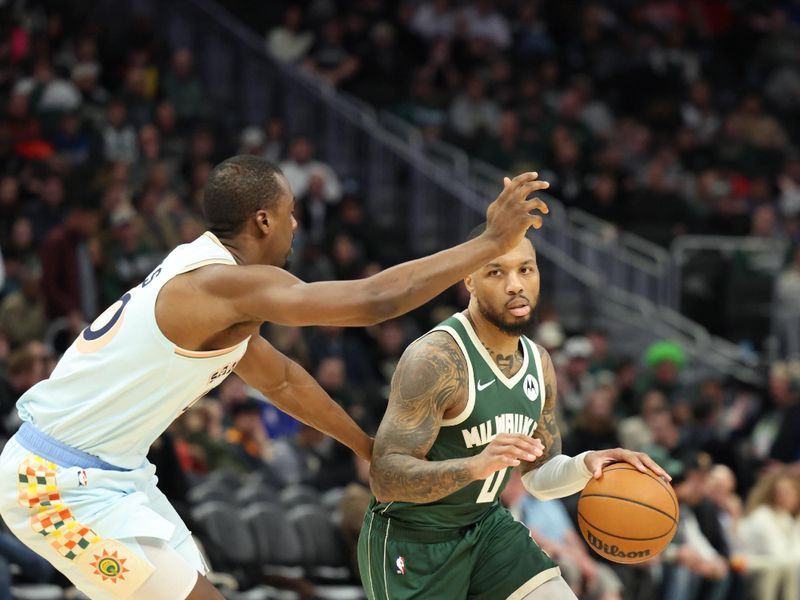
x: 38, y: 491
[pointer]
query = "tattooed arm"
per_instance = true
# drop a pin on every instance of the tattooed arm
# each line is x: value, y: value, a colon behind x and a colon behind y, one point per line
x: 430, y: 379
x: 547, y: 430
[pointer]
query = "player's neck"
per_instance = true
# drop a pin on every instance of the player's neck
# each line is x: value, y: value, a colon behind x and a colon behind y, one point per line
x: 243, y: 252
x: 498, y: 343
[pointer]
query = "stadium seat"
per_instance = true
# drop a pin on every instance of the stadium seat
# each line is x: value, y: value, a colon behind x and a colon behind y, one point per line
x: 295, y: 495
x: 332, y: 498
x: 253, y: 492
x: 321, y: 543
x: 276, y: 539
x: 227, y: 538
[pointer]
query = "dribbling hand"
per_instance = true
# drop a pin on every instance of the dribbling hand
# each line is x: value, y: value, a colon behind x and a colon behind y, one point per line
x: 505, y: 450
x: 508, y: 218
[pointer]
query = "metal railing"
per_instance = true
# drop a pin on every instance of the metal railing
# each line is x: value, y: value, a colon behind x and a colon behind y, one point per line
x: 429, y: 193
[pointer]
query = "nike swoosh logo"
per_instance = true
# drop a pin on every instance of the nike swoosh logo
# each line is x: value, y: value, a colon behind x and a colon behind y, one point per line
x: 483, y: 386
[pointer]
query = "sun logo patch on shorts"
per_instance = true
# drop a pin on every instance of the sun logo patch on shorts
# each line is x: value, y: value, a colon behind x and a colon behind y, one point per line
x: 109, y: 566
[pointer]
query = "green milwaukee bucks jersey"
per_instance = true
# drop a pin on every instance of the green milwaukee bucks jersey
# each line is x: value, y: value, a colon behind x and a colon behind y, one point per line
x: 495, y: 404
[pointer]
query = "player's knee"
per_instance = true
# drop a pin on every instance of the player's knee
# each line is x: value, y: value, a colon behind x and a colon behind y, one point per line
x: 204, y: 590
x: 554, y: 589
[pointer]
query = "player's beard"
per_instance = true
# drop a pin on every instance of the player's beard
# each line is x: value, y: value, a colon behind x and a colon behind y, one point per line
x: 517, y: 327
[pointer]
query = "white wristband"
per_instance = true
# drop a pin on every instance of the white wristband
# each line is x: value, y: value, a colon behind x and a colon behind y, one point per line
x: 560, y: 476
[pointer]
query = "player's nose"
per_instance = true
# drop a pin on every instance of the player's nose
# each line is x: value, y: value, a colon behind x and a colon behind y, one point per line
x: 513, y: 284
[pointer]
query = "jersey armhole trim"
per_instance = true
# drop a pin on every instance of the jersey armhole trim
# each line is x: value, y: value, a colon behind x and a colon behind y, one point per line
x: 537, y: 358
x: 464, y: 414
x: 184, y: 352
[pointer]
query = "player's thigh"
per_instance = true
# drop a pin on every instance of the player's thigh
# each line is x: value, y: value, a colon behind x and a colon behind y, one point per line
x: 508, y: 563
x: 554, y: 589
x: 398, y: 568
x: 173, y: 577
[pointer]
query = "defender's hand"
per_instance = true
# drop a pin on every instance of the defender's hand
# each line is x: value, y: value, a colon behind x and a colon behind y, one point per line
x: 508, y: 218
x: 505, y: 450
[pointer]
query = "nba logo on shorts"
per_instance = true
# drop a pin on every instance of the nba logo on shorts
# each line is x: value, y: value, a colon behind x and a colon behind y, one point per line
x: 401, y: 565
x: 531, y: 387
x: 83, y: 478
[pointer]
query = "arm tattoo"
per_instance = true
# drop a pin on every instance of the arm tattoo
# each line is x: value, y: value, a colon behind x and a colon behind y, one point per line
x: 430, y: 378
x: 547, y: 431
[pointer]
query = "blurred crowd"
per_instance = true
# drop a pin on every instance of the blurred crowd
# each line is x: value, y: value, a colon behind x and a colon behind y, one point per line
x: 105, y: 146
x: 661, y: 116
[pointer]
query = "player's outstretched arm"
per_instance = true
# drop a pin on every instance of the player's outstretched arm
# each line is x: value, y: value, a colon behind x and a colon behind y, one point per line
x: 262, y: 293
x: 554, y: 475
x: 294, y: 391
x: 431, y: 377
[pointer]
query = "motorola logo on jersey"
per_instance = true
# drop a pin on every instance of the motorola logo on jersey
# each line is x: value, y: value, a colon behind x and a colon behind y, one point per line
x: 531, y: 387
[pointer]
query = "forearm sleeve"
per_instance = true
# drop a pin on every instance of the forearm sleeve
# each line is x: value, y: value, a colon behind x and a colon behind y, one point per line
x: 560, y: 476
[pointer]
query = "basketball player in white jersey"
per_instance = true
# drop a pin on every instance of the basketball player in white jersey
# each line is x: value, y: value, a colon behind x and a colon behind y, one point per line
x: 75, y: 484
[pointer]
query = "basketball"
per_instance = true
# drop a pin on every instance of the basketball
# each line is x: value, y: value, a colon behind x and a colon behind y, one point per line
x: 627, y: 516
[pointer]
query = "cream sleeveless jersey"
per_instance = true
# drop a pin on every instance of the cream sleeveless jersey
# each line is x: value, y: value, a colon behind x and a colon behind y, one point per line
x: 122, y: 382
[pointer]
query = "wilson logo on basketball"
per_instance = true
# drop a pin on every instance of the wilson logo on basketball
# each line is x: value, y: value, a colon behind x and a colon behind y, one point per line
x: 614, y: 550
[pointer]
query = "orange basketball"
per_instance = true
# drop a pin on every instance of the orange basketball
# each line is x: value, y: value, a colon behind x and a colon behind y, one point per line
x: 627, y: 516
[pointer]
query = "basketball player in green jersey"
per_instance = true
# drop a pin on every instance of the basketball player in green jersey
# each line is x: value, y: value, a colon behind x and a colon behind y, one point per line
x: 471, y: 400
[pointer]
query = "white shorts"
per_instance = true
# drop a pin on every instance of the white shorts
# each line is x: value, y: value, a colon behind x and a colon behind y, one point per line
x: 89, y: 522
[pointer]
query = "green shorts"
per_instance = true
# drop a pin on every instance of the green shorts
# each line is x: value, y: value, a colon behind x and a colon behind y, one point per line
x: 493, y: 559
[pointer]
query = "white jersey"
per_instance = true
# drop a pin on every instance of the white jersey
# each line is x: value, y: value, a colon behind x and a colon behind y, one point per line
x: 122, y: 382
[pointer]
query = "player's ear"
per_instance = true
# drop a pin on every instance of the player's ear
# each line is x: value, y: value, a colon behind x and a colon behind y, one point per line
x: 468, y: 284
x: 262, y: 221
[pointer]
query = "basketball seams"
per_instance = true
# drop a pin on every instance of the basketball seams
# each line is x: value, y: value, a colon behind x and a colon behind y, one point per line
x: 658, y: 510
x: 623, y: 466
x: 620, y: 537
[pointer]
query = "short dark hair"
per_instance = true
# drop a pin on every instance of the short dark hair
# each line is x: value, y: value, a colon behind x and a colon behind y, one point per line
x: 236, y: 189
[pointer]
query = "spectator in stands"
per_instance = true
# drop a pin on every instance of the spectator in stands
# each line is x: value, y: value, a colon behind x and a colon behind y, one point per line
x: 692, y: 562
x: 635, y: 431
x: 664, y: 361
x: 553, y: 530
x: 312, y: 458
x: 138, y: 101
x: 771, y: 536
x: 506, y: 149
x: 433, y: 19
x: 300, y: 166
x: 22, y: 313
x: 68, y: 266
x: 48, y: 210
x: 205, y: 435
x: 383, y: 73
x: 473, y: 116
x: 595, y: 426
x: 94, y: 97
x: 484, y: 22
x: 248, y: 438
x: 423, y: 108
x: 575, y: 382
x: 289, y: 42
x: 26, y: 367
x: 172, y: 143
x: 118, y: 136
x: 783, y: 399
x: 127, y: 255
x: 329, y: 59
x: 184, y: 90
x: 72, y: 141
